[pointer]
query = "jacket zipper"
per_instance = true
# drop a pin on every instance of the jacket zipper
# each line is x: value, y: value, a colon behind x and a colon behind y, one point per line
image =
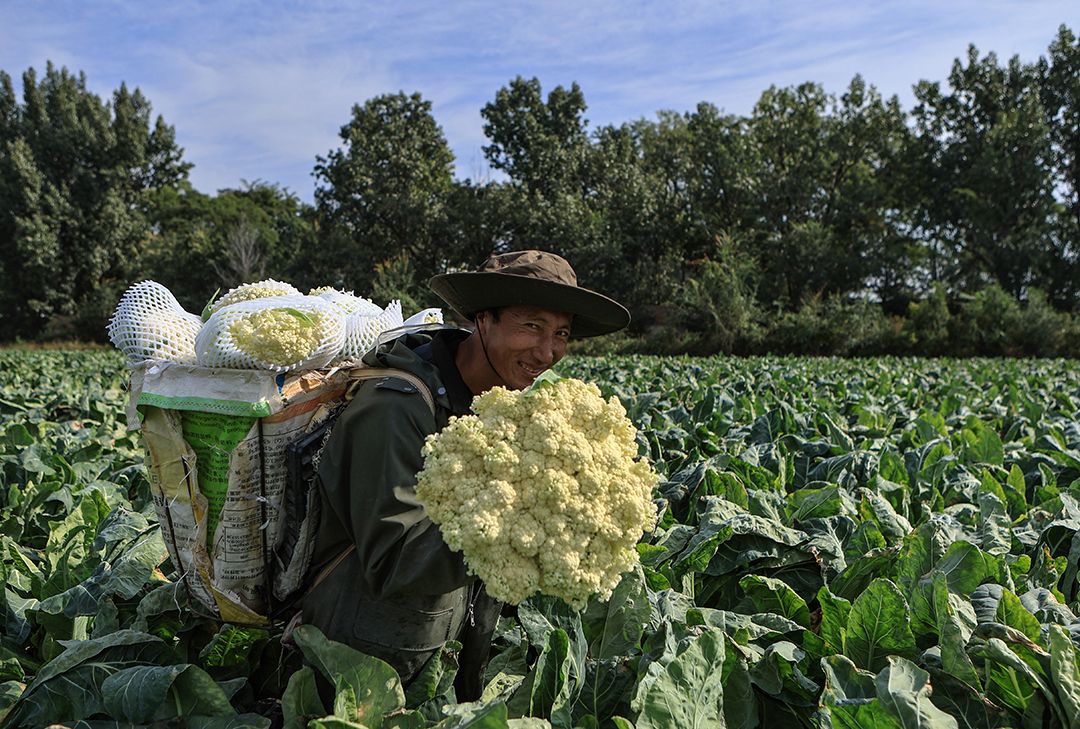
x: 474, y: 592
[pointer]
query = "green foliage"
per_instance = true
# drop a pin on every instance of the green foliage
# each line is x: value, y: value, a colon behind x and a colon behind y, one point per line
x: 396, y: 279
x: 201, y: 243
x: 717, y: 304
x: 385, y: 194
x: 813, y: 225
x: 883, y: 542
x: 75, y: 176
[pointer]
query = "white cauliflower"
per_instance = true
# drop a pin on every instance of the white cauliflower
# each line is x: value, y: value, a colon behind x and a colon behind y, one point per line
x: 280, y: 337
x: 347, y: 301
x: 280, y: 334
x: 250, y: 291
x: 541, y: 490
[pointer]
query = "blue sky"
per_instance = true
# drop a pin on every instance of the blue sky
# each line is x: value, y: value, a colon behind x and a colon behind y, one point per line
x: 257, y: 90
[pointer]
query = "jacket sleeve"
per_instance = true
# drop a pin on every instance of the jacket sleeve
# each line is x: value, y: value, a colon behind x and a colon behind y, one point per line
x: 368, y: 475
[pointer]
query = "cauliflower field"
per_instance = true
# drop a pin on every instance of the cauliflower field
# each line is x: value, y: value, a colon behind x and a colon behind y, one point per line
x: 845, y: 543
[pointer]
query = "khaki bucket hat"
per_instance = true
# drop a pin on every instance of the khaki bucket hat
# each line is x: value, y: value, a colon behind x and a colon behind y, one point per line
x: 531, y: 278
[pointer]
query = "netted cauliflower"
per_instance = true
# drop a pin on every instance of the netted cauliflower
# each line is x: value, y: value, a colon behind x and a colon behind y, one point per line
x: 149, y: 323
x: 347, y: 301
x: 250, y: 291
x: 362, y: 331
x: 541, y: 491
x: 280, y: 334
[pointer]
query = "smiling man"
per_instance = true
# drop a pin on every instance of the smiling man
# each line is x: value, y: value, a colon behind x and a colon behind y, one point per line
x: 386, y: 583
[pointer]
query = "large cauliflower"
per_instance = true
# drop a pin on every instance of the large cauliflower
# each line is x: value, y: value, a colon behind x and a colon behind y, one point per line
x: 280, y: 333
x: 541, y: 491
x: 279, y: 336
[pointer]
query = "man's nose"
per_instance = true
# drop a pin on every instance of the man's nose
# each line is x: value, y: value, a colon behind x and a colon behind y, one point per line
x: 545, y: 350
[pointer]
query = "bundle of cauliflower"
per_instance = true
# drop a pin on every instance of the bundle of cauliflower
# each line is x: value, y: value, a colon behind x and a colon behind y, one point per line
x: 265, y: 325
x: 541, y: 491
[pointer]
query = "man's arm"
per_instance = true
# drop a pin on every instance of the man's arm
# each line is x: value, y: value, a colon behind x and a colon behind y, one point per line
x: 368, y: 476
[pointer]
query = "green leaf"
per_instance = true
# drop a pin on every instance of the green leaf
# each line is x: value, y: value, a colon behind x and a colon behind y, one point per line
x: 301, y: 701
x: 607, y: 689
x: 142, y: 693
x: 740, y: 699
x: 209, y: 308
x: 771, y: 595
x: 302, y: 316
x: 434, y: 685
x: 904, y: 690
x: 232, y: 646
x: 374, y: 683
x: 1012, y: 681
x: 879, y: 625
x: 613, y: 628
x: 553, y: 688
x: 1010, y: 611
x: 688, y: 692
x: 547, y: 378
x: 476, y: 716
x: 983, y: 444
x: 240, y: 721
x: 1016, y: 492
x: 68, y: 687
x: 849, y: 697
x: 966, y: 567
x: 835, y: 613
x: 1065, y: 671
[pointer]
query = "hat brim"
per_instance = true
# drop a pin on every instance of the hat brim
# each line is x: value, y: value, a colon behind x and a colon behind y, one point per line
x: 471, y: 292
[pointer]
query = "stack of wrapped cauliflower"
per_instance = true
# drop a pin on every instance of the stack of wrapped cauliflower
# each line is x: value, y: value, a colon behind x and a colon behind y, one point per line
x: 266, y: 325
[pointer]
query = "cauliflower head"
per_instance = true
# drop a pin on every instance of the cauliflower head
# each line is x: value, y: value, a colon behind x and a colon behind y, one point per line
x: 541, y: 490
x: 250, y: 291
x: 348, y: 302
x: 281, y: 337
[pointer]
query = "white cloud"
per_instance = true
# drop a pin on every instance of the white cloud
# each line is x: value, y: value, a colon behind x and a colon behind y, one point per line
x: 256, y: 90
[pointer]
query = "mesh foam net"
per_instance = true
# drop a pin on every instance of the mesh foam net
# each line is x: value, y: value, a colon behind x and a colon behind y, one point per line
x: 362, y: 331
x: 279, y: 333
x: 349, y: 303
x: 149, y: 323
x: 252, y: 291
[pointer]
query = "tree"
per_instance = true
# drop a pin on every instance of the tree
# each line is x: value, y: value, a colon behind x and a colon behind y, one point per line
x: 201, y: 243
x: 985, y: 162
x: 818, y: 208
x: 543, y: 147
x: 1059, y: 76
x: 540, y: 145
x: 75, y: 174
x: 385, y: 194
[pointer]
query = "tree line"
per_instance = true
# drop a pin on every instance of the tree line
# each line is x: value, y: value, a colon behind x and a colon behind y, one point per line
x: 819, y: 223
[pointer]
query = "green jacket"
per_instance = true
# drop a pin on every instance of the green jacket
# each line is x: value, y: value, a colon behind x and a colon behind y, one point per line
x: 402, y: 593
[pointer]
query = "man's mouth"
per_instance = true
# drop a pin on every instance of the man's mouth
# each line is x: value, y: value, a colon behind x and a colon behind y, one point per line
x: 532, y: 372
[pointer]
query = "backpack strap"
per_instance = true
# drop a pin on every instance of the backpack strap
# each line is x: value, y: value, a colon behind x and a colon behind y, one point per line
x: 358, y: 376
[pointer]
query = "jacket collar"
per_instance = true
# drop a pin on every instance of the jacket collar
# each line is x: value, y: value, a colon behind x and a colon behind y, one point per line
x: 400, y: 354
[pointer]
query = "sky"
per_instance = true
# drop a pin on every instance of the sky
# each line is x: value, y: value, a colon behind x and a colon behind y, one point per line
x: 258, y: 90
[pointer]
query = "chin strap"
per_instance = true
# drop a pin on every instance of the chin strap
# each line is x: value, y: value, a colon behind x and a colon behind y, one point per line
x: 483, y: 346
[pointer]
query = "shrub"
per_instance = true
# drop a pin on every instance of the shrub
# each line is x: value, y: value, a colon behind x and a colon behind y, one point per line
x: 927, y: 324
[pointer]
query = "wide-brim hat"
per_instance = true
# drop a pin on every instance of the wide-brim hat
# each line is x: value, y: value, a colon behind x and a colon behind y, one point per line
x: 531, y: 278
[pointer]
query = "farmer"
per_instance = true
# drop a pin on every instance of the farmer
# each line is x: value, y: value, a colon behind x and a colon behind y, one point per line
x: 386, y: 583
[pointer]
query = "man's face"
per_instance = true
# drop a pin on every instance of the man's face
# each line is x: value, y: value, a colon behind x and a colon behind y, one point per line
x: 524, y: 341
